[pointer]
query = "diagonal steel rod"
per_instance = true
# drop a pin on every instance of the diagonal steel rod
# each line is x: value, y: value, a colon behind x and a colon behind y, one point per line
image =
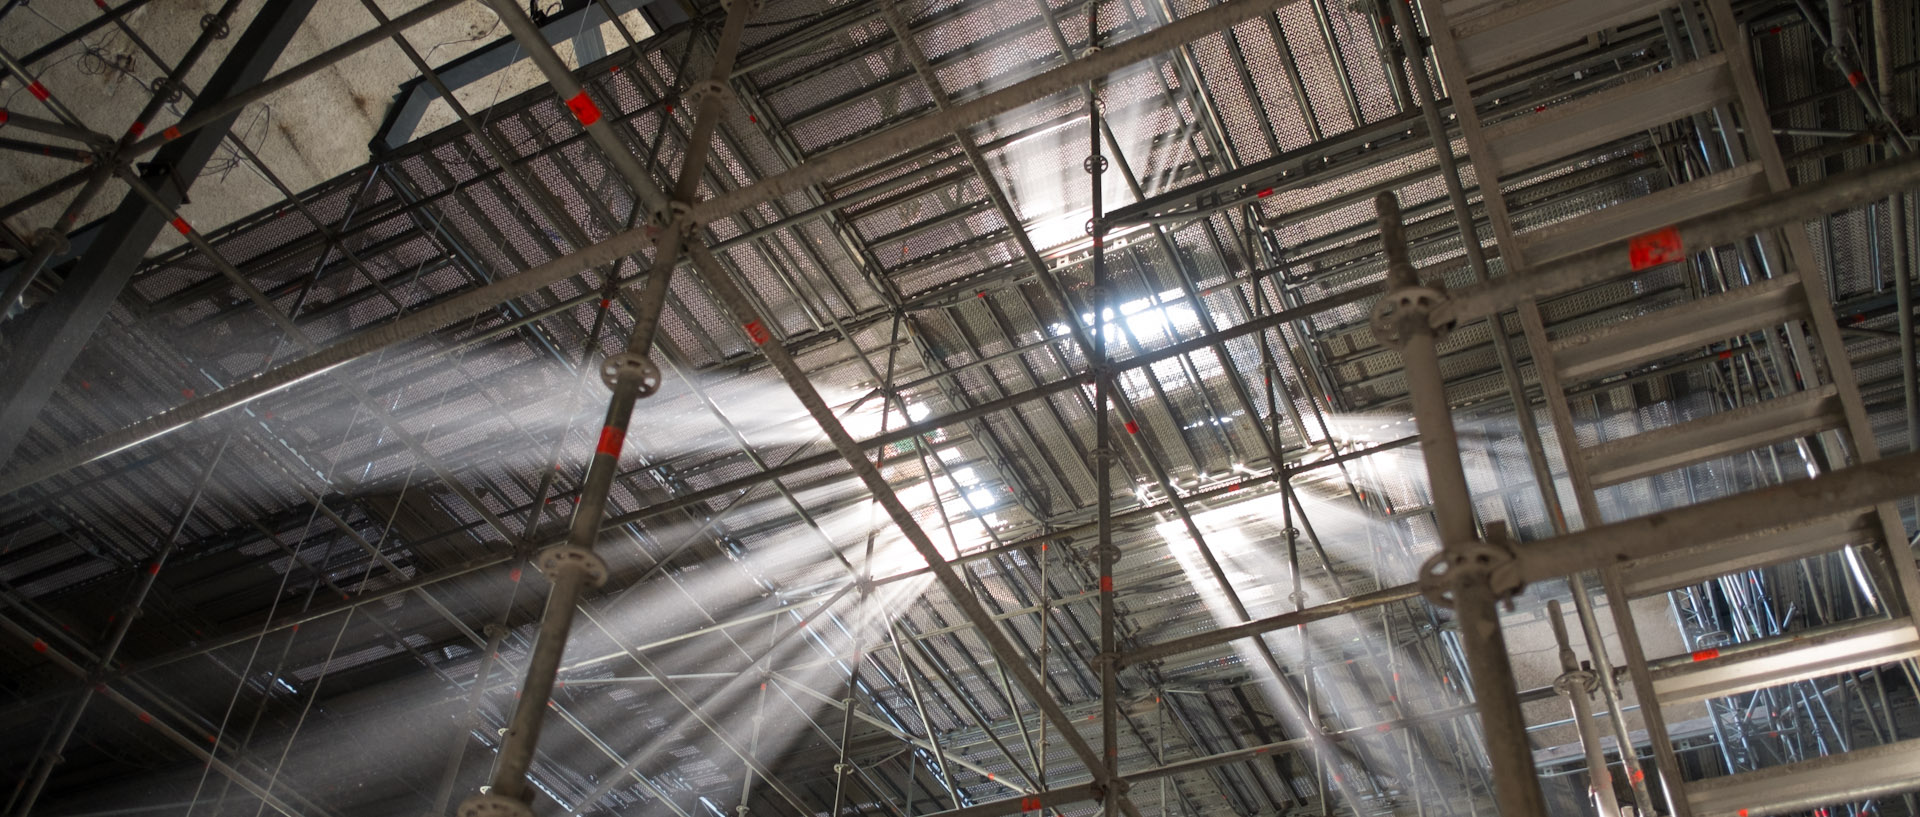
x: 171, y: 734
x: 1003, y: 649
x: 63, y: 731
x: 97, y: 179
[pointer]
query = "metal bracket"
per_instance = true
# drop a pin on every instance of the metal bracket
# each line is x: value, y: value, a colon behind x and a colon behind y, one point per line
x: 559, y: 558
x: 632, y: 367
x: 215, y: 24
x: 699, y: 92
x: 493, y: 805
x: 1583, y: 680
x: 47, y: 236
x: 1398, y: 313
x: 1493, y: 560
x: 678, y: 217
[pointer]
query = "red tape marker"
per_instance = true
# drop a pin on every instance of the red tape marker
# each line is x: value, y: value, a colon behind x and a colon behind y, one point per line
x: 1706, y: 655
x: 584, y: 109
x: 1662, y: 246
x: 182, y: 225
x: 611, y: 440
x: 757, y: 332
x: 136, y: 129
x: 39, y: 91
x: 1133, y: 427
x: 171, y: 133
x: 1106, y: 584
x: 1856, y: 79
x: 4, y: 116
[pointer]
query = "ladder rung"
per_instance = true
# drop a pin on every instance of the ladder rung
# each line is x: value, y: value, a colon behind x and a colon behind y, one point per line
x: 1533, y: 139
x: 1693, y: 565
x: 1800, y: 414
x: 1616, y: 347
x: 1862, y: 774
x: 1515, y: 31
x: 1775, y: 661
x: 1720, y: 191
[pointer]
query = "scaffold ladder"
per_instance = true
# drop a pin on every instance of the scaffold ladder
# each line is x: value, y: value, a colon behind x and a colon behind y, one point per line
x: 1782, y: 312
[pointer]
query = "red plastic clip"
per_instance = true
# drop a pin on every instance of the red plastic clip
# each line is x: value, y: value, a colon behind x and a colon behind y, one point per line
x: 584, y: 109
x: 611, y: 440
x: 757, y: 332
x: 1662, y: 246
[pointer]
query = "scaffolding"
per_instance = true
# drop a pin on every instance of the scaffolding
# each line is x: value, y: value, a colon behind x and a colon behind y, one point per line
x: 1064, y: 407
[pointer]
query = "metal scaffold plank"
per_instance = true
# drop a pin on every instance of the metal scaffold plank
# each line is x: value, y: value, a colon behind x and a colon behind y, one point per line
x: 1711, y: 194
x: 1861, y: 774
x: 1771, y: 662
x: 1799, y: 414
x: 1511, y: 32
x: 1531, y: 139
x: 1700, y: 563
x: 1619, y: 346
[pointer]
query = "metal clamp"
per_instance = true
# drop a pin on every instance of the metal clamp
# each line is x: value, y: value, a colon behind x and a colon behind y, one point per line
x: 215, y: 24
x: 1494, y: 560
x: 493, y: 805
x: 678, y: 216
x: 559, y: 558
x: 1398, y: 313
x: 1583, y: 681
x: 698, y: 93
x: 165, y: 90
x: 49, y: 237
x: 632, y: 367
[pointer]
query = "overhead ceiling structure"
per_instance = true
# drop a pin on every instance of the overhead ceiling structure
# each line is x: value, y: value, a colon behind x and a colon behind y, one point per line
x: 962, y: 407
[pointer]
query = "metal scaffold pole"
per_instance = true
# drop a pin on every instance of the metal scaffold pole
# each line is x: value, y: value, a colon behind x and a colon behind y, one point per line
x: 1103, y: 452
x: 1577, y: 684
x: 1477, y: 573
x: 571, y: 566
